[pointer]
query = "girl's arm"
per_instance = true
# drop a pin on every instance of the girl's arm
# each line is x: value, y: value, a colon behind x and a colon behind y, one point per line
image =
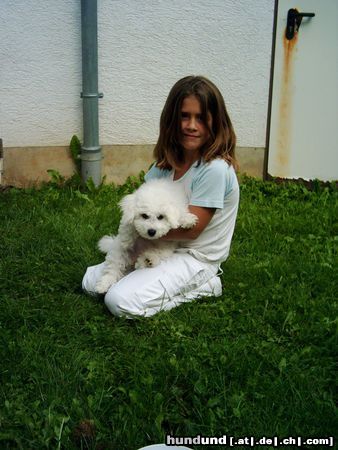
x: 181, y: 234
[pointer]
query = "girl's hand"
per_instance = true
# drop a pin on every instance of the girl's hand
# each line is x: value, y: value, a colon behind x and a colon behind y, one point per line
x: 180, y: 234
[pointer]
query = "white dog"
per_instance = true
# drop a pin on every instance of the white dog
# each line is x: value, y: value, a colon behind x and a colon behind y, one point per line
x: 158, y: 206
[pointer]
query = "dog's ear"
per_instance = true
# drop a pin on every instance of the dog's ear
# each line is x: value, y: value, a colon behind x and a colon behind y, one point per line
x: 127, y: 204
x: 173, y: 216
x: 126, y: 229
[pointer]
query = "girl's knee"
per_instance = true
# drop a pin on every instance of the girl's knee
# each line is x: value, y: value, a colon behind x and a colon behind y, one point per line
x: 121, y: 306
x: 113, y: 302
x: 88, y: 283
x: 91, y: 277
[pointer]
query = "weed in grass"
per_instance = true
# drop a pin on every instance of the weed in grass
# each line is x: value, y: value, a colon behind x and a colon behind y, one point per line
x: 259, y: 360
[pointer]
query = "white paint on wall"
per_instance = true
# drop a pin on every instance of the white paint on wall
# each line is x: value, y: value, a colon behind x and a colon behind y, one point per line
x: 40, y: 76
x: 144, y: 47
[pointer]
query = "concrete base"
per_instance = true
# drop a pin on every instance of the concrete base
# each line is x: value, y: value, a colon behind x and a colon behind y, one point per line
x: 27, y: 166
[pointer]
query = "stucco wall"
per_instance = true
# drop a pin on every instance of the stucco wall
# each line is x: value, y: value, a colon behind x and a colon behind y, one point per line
x: 144, y: 47
x: 40, y: 76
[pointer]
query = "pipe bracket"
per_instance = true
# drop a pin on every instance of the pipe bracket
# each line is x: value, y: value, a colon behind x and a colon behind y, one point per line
x: 90, y: 154
x: 98, y: 95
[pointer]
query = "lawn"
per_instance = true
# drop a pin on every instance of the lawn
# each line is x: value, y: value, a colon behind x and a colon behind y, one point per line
x: 259, y: 361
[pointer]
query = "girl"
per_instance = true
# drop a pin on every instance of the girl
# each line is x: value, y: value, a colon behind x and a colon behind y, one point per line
x: 196, y: 147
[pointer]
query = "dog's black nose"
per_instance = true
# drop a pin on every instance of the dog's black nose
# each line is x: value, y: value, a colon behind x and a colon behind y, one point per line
x: 151, y: 232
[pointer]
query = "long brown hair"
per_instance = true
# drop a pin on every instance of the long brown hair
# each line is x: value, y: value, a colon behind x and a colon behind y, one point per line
x: 168, y: 151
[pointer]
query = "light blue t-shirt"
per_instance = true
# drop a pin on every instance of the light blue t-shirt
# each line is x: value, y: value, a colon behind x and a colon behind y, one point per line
x: 210, y: 185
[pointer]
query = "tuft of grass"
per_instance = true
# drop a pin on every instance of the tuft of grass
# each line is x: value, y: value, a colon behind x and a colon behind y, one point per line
x: 257, y: 361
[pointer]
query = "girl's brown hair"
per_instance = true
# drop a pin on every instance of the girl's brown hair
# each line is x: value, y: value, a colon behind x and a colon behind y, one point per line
x: 168, y: 151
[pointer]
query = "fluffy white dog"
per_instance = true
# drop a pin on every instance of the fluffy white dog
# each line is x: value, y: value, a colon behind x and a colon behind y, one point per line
x: 149, y: 213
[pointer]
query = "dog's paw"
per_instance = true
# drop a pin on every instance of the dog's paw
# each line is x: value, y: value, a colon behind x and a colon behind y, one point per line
x: 189, y: 220
x: 145, y: 261
x: 104, y: 284
x: 101, y: 288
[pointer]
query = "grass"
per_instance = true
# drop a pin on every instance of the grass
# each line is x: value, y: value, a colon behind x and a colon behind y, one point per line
x: 258, y: 361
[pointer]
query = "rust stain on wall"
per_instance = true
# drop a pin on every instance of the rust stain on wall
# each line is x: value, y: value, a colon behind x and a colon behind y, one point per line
x: 286, y: 106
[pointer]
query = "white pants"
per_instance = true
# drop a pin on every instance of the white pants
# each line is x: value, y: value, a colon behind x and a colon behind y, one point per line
x: 144, y: 292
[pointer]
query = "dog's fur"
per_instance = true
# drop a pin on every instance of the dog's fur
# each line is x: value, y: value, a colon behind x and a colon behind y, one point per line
x: 148, y: 214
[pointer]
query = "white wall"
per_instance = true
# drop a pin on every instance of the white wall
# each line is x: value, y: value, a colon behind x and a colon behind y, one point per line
x: 144, y: 47
x: 40, y: 75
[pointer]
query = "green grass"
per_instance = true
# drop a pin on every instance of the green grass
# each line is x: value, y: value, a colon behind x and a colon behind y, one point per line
x: 258, y: 361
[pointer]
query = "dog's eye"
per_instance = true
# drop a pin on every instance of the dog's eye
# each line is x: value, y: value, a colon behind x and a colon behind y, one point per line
x: 144, y: 216
x: 160, y: 217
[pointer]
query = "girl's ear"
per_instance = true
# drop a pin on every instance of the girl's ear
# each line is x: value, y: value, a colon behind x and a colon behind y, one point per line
x: 127, y: 204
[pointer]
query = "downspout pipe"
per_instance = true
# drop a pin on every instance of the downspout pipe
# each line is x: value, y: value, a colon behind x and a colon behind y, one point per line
x: 1, y: 161
x: 91, y: 155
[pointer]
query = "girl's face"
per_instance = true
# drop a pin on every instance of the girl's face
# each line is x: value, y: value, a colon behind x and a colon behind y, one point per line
x: 194, y: 134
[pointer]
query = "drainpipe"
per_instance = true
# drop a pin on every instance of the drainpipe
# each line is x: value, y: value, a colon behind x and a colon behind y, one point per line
x: 90, y: 150
x: 1, y: 161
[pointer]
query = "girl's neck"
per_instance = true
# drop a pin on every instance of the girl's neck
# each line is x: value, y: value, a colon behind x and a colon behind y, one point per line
x: 190, y: 159
x: 183, y: 168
